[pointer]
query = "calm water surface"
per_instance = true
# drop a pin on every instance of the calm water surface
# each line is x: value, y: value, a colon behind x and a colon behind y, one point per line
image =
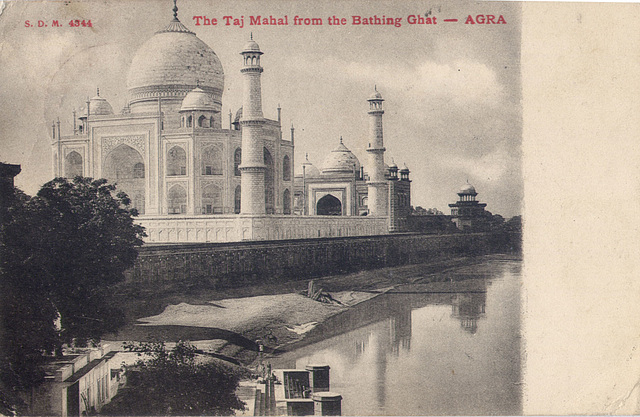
x: 451, y: 348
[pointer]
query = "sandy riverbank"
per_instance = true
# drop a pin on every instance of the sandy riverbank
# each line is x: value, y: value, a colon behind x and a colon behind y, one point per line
x: 229, y: 322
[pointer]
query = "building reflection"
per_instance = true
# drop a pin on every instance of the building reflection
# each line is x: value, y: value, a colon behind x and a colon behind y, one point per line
x: 468, y: 308
x: 381, y: 350
x: 393, y: 312
x: 398, y: 328
x: 393, y: 336
x: 393, y: 326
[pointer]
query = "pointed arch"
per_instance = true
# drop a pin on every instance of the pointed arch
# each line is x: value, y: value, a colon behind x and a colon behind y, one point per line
x: 177, y: 200
x: 138, y: 201
x: 237, y: 160
x: 211, y: 199
x: 286, y: 168
x: 73, y: 165
x: 286, y: 202
x: 237, y: 200
x: 329, y: 206
x: 269, y: 183
x: 202, y: 121
x: 125, y: 167
x: 211, y: 161
x: 138, y: 170
x: 176, y: 161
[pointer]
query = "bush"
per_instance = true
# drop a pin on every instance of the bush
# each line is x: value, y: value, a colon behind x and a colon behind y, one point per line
x: 176, y: 382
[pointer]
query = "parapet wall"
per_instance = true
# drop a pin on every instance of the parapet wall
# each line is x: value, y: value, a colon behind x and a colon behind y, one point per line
x: 237, y: 228
x: 240, y: 263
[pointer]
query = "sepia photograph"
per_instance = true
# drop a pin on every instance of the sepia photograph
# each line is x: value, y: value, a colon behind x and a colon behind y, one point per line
x: 283, y: 208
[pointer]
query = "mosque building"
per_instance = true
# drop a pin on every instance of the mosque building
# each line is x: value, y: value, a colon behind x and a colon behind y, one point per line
x: 191, y: 180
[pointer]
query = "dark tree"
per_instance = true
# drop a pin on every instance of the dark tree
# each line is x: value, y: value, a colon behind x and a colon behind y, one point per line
x: 26, y: 312
x: 60, y: 253
x: 176, y: 382
x: 514, y: 224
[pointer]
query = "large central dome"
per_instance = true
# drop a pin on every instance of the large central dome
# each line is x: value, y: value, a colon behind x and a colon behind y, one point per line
x: 172, y: 63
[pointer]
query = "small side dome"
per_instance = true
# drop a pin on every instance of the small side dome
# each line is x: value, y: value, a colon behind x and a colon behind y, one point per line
x: 98, y: 106
x: 392, y: 170
x: 405, y: 169
x: 198, y: 99
x: 341, y: 160
x: 251, y: 46
x: 467, y: 189
x: 375, y: 96
x: 309, y: 170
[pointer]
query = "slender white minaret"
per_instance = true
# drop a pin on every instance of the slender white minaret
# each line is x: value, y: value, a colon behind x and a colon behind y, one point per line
x: 252, y: 167
x: 377, y: 185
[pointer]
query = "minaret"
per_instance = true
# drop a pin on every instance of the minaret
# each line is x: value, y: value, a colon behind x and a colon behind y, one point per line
x: 252, y: 166
x: 377, y: 190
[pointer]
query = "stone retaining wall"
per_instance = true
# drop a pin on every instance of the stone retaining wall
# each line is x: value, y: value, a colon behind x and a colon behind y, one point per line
x: 241, y: 263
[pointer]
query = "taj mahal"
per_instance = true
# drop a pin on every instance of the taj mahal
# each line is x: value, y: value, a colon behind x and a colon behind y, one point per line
x: 193, y: 180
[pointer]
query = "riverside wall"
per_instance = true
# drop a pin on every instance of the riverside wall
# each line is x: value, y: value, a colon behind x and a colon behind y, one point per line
x: 244, y: 263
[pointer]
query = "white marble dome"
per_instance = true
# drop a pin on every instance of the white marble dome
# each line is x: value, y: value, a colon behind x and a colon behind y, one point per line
x: 251, y: 46
x: 341, y: 160
x: 309, y: 170
x: 98, y: 106
x: 375, y: 96
x: 198, y: 99
x: 171, y: 63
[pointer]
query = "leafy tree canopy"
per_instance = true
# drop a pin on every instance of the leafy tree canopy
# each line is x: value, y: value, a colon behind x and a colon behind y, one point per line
x: 421, y: 211
x: 60, y: 252
x: 176, y: 382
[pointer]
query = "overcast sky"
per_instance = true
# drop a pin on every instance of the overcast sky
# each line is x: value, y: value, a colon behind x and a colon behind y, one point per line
x: 452, y: 91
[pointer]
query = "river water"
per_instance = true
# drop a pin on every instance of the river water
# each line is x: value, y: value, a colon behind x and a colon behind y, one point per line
x: 448, y: 348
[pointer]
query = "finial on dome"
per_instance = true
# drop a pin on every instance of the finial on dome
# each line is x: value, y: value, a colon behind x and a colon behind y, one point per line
x: 251, y: 35
x: 340, y: 139
x: 98, y: 91
x: 375, y: 87
x: 175, y: 9
x: 197, y: 83
x: 306, y: 156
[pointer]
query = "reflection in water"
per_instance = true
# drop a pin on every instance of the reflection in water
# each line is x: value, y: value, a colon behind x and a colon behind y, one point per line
x: 468, y: 308
x: 455, y: 351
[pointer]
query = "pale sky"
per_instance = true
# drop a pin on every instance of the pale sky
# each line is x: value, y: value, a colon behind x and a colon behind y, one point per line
x: 452, y: 91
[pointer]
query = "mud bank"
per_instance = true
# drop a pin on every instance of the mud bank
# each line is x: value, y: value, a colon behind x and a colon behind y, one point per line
x: 233, y: 322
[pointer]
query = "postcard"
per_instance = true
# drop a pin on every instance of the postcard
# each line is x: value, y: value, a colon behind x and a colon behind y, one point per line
x: 231, y: 123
